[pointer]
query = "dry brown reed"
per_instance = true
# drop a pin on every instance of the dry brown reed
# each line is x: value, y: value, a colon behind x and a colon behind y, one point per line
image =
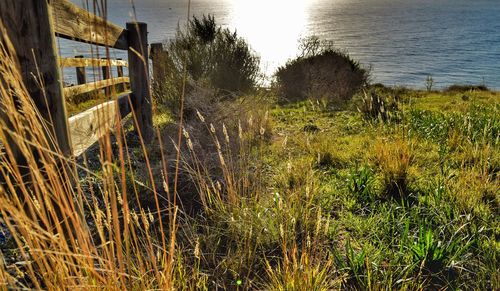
x: 63, y: 234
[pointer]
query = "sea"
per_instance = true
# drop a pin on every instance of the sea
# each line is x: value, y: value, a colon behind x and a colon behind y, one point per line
x: 401, y: 41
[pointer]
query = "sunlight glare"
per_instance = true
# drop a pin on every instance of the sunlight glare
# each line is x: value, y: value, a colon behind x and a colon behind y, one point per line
x: 272, y: 27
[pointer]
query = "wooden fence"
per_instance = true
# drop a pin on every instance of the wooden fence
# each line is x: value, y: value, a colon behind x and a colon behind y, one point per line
x: 33, y: 25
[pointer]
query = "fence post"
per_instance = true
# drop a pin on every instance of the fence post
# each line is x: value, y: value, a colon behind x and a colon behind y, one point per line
x: 29, y: 26
x: 119, y: 71
x: 138, y: 62
x: 106, y: 74
x: 81, y: 73
x: 158, y: 57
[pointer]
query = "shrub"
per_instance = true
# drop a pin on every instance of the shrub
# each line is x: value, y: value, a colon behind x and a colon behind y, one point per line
x: 167, y: 85
x: 218, y: 146
x: 321, y: 72
x: 466, y: 88
x: 429, y: 83
x: 213, y: 57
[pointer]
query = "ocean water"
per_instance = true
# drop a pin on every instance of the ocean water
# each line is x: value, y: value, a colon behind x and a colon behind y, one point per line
x: 403, y: 41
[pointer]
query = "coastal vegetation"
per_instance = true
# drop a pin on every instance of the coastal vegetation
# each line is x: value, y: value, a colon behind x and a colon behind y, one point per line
x: 210, y: 57
x: 321, y: 72
x: 323, y: 181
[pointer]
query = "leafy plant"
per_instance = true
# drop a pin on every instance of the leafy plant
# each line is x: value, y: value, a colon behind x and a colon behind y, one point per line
x: 361, y: 183
x: 354, y: 263
x: 428, y: 253
x: 436, y: 258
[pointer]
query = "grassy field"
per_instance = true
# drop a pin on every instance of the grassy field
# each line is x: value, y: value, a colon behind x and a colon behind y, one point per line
x: 332, y: 197
x: 317, y: 197
x: 410, y: 202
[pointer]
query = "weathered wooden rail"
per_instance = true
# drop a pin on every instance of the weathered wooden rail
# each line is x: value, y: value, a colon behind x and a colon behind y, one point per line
x: 33, y: 25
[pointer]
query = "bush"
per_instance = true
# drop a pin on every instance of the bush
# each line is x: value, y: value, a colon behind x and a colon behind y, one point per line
x: 321, y: 72
x: 213, y: 57
x: 466, y: 88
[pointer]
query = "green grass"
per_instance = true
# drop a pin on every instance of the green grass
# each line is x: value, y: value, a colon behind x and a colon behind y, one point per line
x: 347, y: 202
x: 333, y: 199
x: 85, y: 101
x: 74, y: 108
x: 453, y: 102
x: 441, y: 160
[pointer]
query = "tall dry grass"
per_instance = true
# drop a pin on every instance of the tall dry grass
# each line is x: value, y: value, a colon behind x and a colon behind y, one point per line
x: 74, y: 225
x: 69, y: 226
x: 394, y: 160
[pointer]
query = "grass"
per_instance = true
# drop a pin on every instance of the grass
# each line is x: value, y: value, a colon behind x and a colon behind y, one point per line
x: 423, y: 244
x: 325, y: 199
x: 86, y: 101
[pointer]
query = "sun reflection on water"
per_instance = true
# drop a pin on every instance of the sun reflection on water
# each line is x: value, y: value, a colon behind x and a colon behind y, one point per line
x: 272, y: 27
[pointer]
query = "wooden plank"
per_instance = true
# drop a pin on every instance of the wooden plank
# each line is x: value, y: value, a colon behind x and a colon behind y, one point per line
x: 139, y: 78
x: 73, y: 22
x: 88, y: 127
x: 28, y: 25
x: 89, y: 87
x: 89, y: 62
